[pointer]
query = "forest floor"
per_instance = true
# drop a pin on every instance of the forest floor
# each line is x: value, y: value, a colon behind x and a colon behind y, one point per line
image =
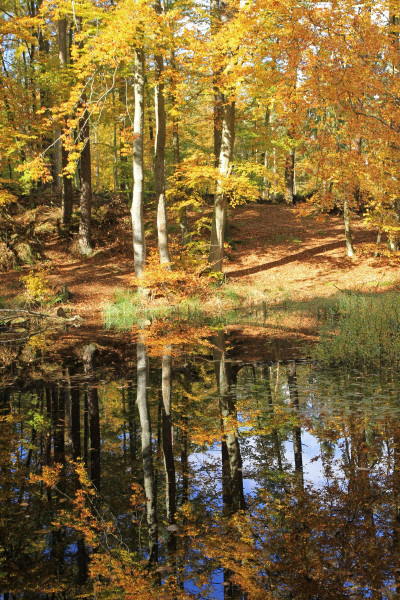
x: 285, y: 253
x: 293, y: 254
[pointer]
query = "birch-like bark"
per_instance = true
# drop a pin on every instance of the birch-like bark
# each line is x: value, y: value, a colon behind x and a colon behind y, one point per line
x: 225, y: 164
x: 139, y: 247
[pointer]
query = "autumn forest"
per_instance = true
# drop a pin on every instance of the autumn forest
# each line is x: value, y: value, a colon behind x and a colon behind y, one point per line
x: 179, y: 106
x: 199, y: 299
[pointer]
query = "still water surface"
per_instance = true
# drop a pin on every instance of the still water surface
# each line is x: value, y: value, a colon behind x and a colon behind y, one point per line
x: 217, y: 471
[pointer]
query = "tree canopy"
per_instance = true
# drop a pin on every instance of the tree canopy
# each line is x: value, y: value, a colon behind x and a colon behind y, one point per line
x: 192, y: 103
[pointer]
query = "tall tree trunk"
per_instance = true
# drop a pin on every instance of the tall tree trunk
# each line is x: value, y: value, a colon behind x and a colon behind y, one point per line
x: 394, y: 22
x: 176, y: 149
x: 290, y: 177
x: 266, y: 184
x: 159, y: 156
x: 148, y: 471
x: 85, y: 200
x: 290, y: 160
x: 225, y: 164
x: 218, y: 115
x: 347, y: 229
x: 115, y: 149
x: 218, y: 106
x: 123, y: 159
x: 139, y: 247
x: 65, y: 183
x: 223, y: 123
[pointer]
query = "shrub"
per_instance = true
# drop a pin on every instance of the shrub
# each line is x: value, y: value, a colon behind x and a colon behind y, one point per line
x: 174, y: 284
x: 37, y: 289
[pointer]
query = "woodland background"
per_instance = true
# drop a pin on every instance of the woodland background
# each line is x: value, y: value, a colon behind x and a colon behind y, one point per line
x: 168, y: 109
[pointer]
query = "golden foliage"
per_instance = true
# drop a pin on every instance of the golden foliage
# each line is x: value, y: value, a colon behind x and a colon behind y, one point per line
x: 173, y: 282
x: 37, y: 288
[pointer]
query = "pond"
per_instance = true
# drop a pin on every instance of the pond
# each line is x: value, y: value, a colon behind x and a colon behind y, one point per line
x: 223, y: 466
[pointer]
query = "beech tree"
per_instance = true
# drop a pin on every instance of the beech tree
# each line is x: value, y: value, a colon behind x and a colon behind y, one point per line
x: 247, y: 101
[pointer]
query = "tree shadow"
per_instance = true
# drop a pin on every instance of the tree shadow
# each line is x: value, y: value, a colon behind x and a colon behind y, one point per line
x: 298, y: 256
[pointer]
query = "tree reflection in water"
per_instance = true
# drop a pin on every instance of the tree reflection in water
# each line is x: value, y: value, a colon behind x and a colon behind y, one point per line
x: 190, y: 473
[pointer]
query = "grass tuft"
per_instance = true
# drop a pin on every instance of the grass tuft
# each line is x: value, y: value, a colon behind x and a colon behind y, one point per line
x: 223, y: 307
x: 360, y: 330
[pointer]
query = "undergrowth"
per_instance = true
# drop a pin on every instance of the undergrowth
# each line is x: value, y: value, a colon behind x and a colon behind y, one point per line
x: 360, y: 330
x: 130, y: 308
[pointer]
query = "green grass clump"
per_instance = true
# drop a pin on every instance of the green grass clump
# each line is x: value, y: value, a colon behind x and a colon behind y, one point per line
x: 130, y: 308
x: 123, y: 312
x: 360, y: 330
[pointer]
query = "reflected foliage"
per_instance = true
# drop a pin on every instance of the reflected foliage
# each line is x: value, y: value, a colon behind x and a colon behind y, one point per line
x: 189, y: 473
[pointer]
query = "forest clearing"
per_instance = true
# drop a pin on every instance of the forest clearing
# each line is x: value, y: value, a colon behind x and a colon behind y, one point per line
x: 199, y: 299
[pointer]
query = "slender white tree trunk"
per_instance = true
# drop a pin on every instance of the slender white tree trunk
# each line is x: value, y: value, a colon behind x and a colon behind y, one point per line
x: 139, y: 247
x: 225, y: 165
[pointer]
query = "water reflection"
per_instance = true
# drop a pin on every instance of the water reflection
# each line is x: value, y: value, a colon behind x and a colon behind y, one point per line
x: 192, y: 473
